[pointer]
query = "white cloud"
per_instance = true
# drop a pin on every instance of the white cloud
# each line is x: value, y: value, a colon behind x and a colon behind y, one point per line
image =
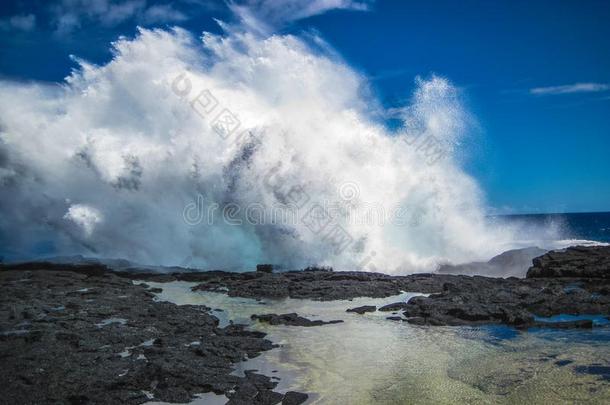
x: 262, y: 14
x: 571, y: 89
x: 23, y: 22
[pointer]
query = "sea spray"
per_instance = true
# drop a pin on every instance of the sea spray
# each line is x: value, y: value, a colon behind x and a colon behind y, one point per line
x: 233, y: 151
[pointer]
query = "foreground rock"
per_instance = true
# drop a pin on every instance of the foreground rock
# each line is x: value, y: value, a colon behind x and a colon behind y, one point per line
x: 291, y: 319
x: 89, y: 336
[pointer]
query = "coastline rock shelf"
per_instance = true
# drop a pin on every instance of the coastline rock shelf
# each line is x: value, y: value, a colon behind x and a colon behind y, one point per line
x: 291, y: 319
x: 90, y: 336
x: 86, y: 334
x: 574, y: 262
x: 574, y: 281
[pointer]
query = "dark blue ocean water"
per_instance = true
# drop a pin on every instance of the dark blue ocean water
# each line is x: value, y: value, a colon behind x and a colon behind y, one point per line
x: 588, y: 225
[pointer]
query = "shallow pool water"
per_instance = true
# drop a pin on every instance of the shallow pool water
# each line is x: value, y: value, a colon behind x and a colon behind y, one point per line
x: 369, y: 359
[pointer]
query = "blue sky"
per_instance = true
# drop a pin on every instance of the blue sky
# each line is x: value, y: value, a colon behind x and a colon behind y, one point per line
x: 536, y: 75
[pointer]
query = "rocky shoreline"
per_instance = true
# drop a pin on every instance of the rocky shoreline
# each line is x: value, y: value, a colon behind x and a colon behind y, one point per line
x: 87, y: 334
x: 291, y: 319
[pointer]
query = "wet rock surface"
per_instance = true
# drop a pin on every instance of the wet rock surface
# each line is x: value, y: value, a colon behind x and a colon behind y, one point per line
x: 291, y: 319
x: 361, y: 310
x: 513, y: 302
x: 396, y: 306
x: 574, y: 281
x: 90, y: 336
x: 315, y: 285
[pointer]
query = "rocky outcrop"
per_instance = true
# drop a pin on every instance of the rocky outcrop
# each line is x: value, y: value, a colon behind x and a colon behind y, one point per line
x: 516, y: 302
x: 574, y: 262
x: 361, y: 310
x: 315, y: 284
x: 89, y: 336
x: 572, y: 281
x: 318, y: 285
x: 291, y: 319
x: 396, y: 306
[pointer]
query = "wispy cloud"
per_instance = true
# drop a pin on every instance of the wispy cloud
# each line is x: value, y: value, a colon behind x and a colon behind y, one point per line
x: 263, y: 15
x: 64, y: 17
x: 69, y: 15
x: 570, y: 89
x: 24, y: 22
x: 163, y: 13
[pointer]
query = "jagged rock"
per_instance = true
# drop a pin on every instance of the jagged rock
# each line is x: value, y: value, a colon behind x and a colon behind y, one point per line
x: 294, y: 398
x: 577, y: 262
x: 87, y: 335
x: 291, y: 319
x: 396, y: 306
x: 264, y: 268
x: 361, y: 310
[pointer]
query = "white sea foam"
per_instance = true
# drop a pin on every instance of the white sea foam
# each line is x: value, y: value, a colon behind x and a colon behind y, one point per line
x: 133, y: 144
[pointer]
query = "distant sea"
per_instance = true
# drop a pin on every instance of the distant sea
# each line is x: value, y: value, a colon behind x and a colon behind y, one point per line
x: 593, y: 226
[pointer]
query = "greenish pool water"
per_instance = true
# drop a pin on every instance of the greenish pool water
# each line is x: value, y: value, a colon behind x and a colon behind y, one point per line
x: 371, y: 360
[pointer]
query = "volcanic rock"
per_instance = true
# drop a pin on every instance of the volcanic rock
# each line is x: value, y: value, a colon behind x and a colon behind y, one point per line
x: 396, y: 306
x: 361, y: 310
x: 89, y: 336
x: 575, y: 262
x: 291, y: 319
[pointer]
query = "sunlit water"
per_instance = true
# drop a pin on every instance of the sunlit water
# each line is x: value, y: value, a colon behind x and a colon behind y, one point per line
x: 368, y: 359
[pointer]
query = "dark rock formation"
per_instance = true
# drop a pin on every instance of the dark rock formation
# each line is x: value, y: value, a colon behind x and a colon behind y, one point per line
x: 575, y: 262
x: 264, y: 268
x: 512, y: 302
x: 361, y: 310
x: 319, y: 285
x: 294, y: 398
x: 396, y: 306
x: 574, y: 281
x: 257, y: 389
x: 291, y: 319
x: 90, y: 336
